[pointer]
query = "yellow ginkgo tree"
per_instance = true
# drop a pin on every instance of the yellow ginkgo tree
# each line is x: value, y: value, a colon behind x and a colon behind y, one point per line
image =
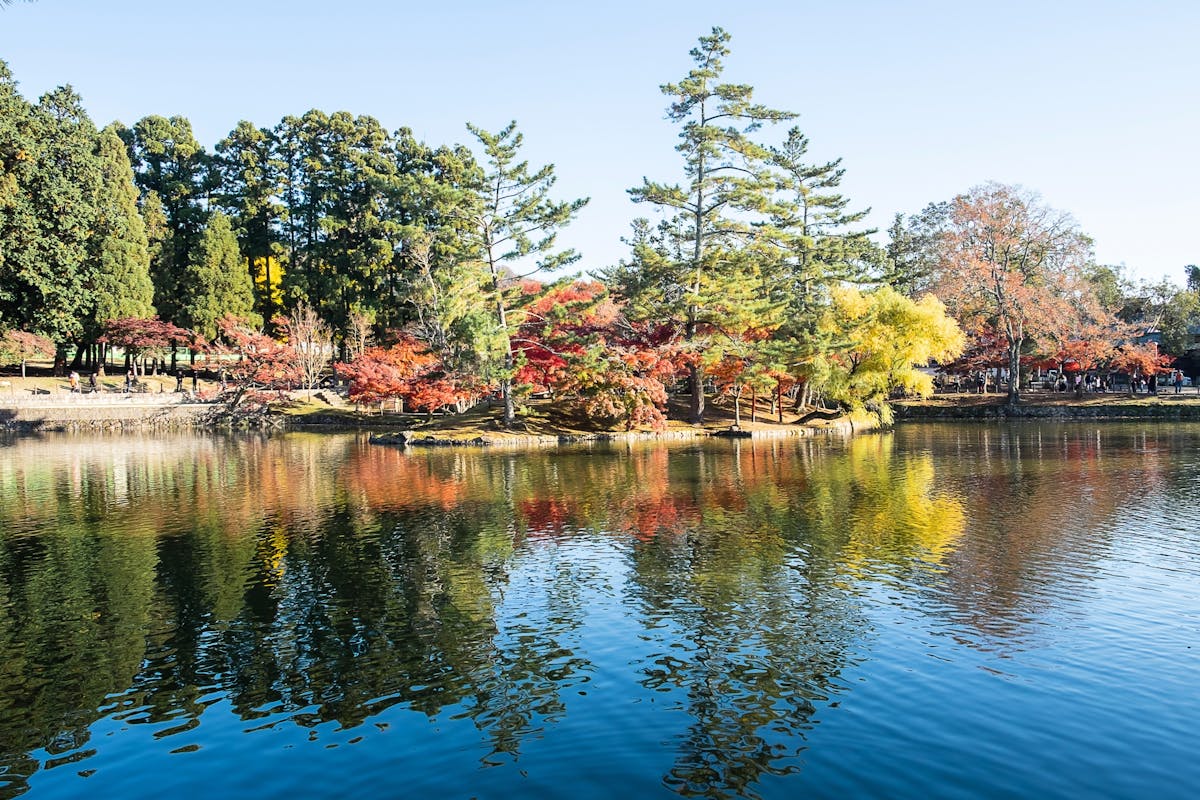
x: 887, y: 338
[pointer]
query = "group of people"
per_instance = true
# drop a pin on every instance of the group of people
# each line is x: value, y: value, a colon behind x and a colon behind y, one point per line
x: 981, y: 382
x: 76, y: 386
x: 131, y: 381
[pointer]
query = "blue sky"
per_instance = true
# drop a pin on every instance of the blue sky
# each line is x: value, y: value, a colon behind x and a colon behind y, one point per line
x: 1092, y: 104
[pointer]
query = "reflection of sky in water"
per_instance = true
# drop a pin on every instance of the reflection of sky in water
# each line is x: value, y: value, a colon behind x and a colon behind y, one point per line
x: 939, y: 611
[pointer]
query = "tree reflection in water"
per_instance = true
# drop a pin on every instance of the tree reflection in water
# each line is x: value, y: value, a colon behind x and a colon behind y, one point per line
x: 307, y: 580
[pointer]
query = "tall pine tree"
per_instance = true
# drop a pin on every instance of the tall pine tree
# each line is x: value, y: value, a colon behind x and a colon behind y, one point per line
x: 727, y: 182
x: 516, y: 224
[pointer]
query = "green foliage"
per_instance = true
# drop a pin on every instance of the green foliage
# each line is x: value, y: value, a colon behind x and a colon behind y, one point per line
x: 515, y: 225
x: 812, y: 226
x: 912, y: 250
x: 221, y: 283
x: 49, y: 189
x: 248, y: 190
x: 171, y: 165
x: 119, y: 248
x: 689, y: 269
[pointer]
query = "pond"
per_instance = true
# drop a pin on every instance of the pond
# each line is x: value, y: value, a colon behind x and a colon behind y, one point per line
x: 938, y: 611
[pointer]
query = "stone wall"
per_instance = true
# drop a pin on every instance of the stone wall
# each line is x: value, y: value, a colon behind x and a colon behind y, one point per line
x: 103, y: 416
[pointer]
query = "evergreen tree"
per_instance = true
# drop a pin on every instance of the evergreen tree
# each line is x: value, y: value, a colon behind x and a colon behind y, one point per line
x: 912, y: 249
x: 811, y: 224
x: 360, y: 238
x: 249, y: 174
x: 119, y: 247
x: 439, y: 285
x: 727, y: 181
x: 51, y: 215
x: 219, y: 280
x: 170, y: 163
x: 516, y: 225
x: 18, y: 229
x: 817, y: 249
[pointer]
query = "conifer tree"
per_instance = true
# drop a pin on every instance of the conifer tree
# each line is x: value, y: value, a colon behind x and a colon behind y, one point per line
x: 17, y: 223
x: 119, y: 247
x: 57, y: 185
x: 726, y: 179
x: 219, y: 280
x: 516, y: 226
x: 248, y: 191
x: 439, y: 283
x: 170, y: 163
x: 911, y: 262
x: 812, y: 226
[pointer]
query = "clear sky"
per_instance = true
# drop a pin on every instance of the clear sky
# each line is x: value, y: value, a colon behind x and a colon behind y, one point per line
x: 1091, y: 103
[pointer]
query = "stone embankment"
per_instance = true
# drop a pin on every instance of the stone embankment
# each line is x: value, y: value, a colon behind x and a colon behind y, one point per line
x: 71, y: 412
x: 409, y: 438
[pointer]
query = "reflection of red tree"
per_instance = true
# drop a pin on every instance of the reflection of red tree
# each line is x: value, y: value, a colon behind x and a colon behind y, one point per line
x: 650, y: 516
x: 546, y: 516
x: 389, y: 479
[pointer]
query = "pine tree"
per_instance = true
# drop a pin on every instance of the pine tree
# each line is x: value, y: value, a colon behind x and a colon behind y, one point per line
x: 727, y: 181
x: 813, y: 228
x: 912, y: 249
x: 516, y: 226
x: 219, y: 280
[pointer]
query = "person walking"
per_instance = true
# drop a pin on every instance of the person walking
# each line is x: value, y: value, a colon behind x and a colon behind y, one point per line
x: 129, y: 380
x: 1178, y: 382
x: 74, y: 379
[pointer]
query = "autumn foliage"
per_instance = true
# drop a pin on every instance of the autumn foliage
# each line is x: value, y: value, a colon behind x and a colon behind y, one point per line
x: 254, y: 362
x: 406, y: 371
x: 575, y: 344
x: 142, y: 336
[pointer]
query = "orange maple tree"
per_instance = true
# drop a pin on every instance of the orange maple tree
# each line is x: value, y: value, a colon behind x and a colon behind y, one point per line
x: 1010, y: 264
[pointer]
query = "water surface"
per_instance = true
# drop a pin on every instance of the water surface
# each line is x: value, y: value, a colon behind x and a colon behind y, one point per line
x: 942, y: 611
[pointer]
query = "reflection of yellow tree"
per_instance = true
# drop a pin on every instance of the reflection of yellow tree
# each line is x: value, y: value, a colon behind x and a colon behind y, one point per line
x: 751, y: 593
x: 888, y: 513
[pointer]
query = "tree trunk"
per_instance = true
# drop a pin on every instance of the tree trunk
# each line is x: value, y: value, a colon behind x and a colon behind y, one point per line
x: 1014, y: 372
x: 510, y: 408
x: 753, y: 405
x: 696, y: 384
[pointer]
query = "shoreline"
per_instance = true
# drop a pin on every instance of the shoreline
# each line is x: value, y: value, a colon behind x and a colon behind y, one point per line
x: 143, y: 413
x: 1089, y: 409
